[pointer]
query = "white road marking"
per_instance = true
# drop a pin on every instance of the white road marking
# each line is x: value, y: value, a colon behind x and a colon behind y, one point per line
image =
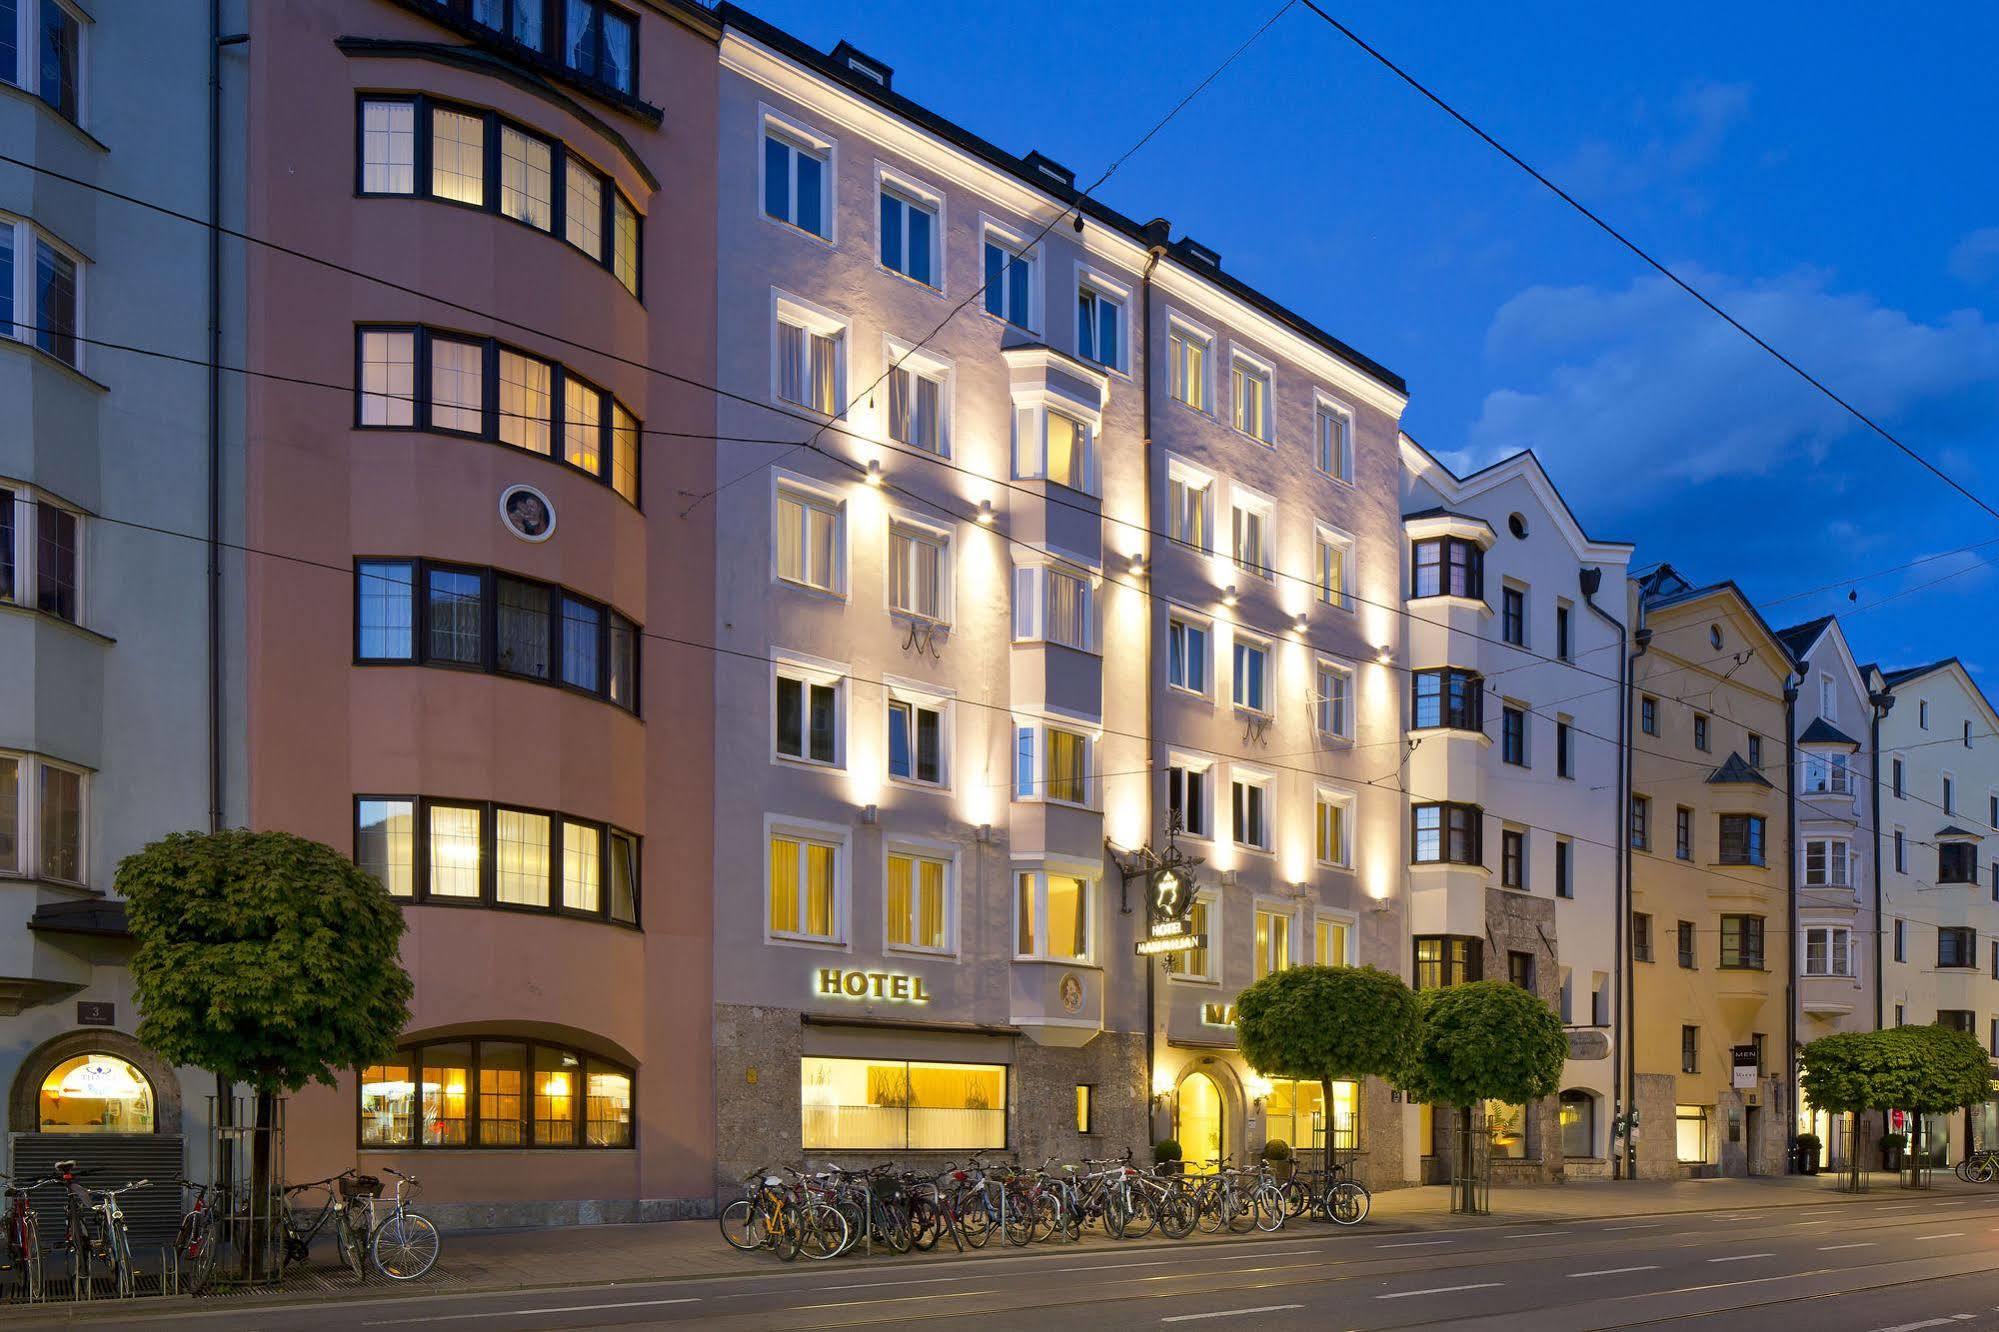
x: 524, y: 1313
x: 1649, y: 1225
x: 1535, y: 1234
x: 1948, y: 1234
x: 1112, y: 1267
x: 1230, y: 1313
x: 1439, y: 1290
x: 1827, y: 1248
x: 1927, y: 1322
x: 1820, y: 1211
x: 918, y: 1281
x: 1741, y: 1257
x: 893, y: 1299
x: 1616, y: 1271
x: 1414, y: 1244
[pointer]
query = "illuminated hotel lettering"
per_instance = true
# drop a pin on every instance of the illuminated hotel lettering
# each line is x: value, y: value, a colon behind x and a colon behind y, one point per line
x: 894, y: 986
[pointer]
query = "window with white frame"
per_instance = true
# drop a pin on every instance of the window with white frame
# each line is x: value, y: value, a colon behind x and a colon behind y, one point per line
x: 1189, y: 792
x: 1250, y: 685
x: 1187, y: 355
x: 1828, y: 950
x: 1332, y: 688
x: 41, y: 289
x: 909, y: 235
x: 1252, y: 397
x: 42, y: 52
x: 1054, y: 603
x: 1332, y: 943
x: 1333, y: 430
x: 1250, y: 519
x: 1828, y: 697
x: 1054, y: 916
x: 1828, y: 863
x: 1009, y: 279
x: 41, y: 553
x: 1333, y: 836
x: 919, y: 399
x: 919, y: 900
x: 1198, y: 964
x: 1272, y: 940
x: 918, y: 738
x: 1190, y: 503
x: 1052, y: 762
x: 1827, y: 773
x: 1249, y: 799
x: 807, y: 707
x: 797, y: 179
x: 809, y: 366
x: 42, y: 807
x: 1333, y: 567
x: 806, y: 881
x: 1100, y: 324
x: 1189, y: 644
x: 1066, y: 455
x: 811, y: 539
x: 919, y: 571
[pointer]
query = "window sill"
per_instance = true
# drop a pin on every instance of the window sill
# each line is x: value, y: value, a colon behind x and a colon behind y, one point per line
x: 61, y: 885
x: 11, y: 90
x: 1738, y: 864
x: 12, y: 608
x: 804, y: 941
x: 1433, y: 865
x: 1453, y: 600
x: 1085, y: 964
x: 53, y: 361
x: 1191, y: 695
x: 805, y: 764
x: 918, y: 784
x: 1425, y: 732
x: 806, y: 589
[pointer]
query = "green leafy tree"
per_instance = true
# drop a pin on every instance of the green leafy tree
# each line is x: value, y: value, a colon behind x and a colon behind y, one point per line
x: 1847, y: 1073
x: 1326, y: 1025
x: 1936, y: 1070
x: 267, y: 959
x: 1486, y: 1041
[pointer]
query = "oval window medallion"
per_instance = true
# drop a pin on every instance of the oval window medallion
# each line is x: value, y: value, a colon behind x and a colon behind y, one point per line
x: 527, y: 513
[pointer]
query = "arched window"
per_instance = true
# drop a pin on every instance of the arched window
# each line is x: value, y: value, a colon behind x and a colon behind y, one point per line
x: 1578, y: 1124
x: 96, y: 1093
x: 494, y: 1093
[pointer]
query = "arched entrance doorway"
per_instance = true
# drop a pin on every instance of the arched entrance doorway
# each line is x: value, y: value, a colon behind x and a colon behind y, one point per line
x: 95, y: 1092
x: 1198, y: 1122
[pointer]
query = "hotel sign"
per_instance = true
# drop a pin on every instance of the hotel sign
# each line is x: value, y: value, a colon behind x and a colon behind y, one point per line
x: 1169, y: 902
x: 894, y: 986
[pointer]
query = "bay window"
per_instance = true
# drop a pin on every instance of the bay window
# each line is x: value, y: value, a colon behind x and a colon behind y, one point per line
x: 42, y: 818
x: 880, y: 1105
x: 41, y: 289
x: 1052, y: 762
x: 919, y: 901
x: 527, y: 192
x: 41, y: 554
x: 1054, y: 916
x: 1742, y: 942
x: 1055, y: 604
x: 1742, y: 839
x: 1447, y: 834
x: 1828, y: 950
x: 1827, y: 774
x: 1444, y: 960
x: 1448, y: 567
x: 1828, y: 863
x: 1957, y: 862
x: 1068, y: 452
x: 807, y: 881
x: 508, y: 1092
x: 1449, y: 698
x: 42, y: 53
x: 486, y: 619
x: 1957, y: 946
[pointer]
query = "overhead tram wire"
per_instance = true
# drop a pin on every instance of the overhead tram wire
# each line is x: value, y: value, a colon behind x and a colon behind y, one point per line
x: 1645, y: 256
x: 1073, y: 209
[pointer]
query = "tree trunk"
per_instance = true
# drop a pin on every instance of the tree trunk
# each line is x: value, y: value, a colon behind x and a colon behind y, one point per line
x: 1468, y: 1195
x: 1326, y: 1110
x: 224, y: 1180
x: 264, y: 1235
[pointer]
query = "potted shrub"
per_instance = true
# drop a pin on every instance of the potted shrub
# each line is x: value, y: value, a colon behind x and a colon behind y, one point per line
x: 1278, y: 1153
x: 1808, y: 1153
x: 1166, y: 1155
x: 1892, y: 1147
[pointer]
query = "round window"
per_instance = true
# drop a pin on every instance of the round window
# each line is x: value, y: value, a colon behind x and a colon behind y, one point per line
x: 1714, y: 635
x: 1517, y: 525
x: 96, y: 1093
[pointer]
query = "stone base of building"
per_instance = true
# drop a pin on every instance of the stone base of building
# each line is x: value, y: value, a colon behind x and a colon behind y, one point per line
x: 1746, y: 1133
x: 759, y: 1054
x: 462, y: 1216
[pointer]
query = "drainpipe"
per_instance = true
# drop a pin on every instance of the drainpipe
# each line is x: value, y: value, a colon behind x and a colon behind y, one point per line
x: 1627, y: 1040
x: 1880, y: 704
x: 1590, y: 580
x: 1156, y: 231
x: 214, y: 415
x: 1791, y: 686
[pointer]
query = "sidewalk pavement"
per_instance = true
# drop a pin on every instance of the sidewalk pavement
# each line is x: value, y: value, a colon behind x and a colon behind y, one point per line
x: 495, y: 1260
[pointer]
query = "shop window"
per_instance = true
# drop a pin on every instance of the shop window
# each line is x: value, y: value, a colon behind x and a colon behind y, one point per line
x: 1296, y: 1112
x: 1578, y: 1118
x: 96, y: 1093
x: 1691, y: 1127
x: 494, y: 1093
x: 1508, y: 1126
x: 899, y: 1105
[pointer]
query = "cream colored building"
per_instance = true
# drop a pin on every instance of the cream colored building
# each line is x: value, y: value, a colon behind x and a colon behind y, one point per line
x: 1710, y: 876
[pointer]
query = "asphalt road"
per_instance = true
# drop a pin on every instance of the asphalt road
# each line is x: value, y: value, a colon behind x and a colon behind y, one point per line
x: 1888, y: 1263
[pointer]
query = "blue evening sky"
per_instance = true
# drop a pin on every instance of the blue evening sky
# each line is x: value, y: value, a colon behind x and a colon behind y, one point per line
x: 1823, y: 171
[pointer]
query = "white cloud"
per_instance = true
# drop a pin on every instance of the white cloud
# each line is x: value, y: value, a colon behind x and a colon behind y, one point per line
x: 1643, y: 381
x: 1697, y: 122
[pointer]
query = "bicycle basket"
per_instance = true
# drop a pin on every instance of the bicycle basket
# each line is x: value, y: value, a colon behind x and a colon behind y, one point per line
x: 360, y: 1186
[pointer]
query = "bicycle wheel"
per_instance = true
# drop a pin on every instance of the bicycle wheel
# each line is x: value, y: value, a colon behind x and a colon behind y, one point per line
x: 892, y: 1226
x: 784, y: 1234
x: 1020, y: 1221
x: 1213, y: 1218
x: 822, y: 1233
x: 742, y: 1225
x: 350, y: 1237
x: 1967, y: 1170
x: 120, y: 1245
x: 974, y: 1219
x: 1177, y: 1214
x: 1348, y: 1203
x: 1297, y: 1197
x: 405, y: 1246
x: 31, y: 1258
x: 1267, y: 1207
x: 1141, y: 1215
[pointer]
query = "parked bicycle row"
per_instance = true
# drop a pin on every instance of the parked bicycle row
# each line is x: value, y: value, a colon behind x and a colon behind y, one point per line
x: 400, y: 1244
x: 1980, y: 1167
x: 824, y: 1213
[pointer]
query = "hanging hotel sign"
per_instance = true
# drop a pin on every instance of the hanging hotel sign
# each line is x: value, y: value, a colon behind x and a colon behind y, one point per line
x: 1169, y: 894
x: 896, y: 987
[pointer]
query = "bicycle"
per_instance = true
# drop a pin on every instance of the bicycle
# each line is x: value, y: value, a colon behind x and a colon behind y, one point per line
x: 195, y: 1243
x: 1346, y: 1202
x: 105, y: 1236
x: 1980, y: 1167
x: 404, y: 1244
x: 347, y: 1205
x: 23, y: 1242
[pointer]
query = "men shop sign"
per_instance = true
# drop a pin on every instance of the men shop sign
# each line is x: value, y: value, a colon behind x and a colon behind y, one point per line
x: 1747, y: 1061
x: 896, y: 987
